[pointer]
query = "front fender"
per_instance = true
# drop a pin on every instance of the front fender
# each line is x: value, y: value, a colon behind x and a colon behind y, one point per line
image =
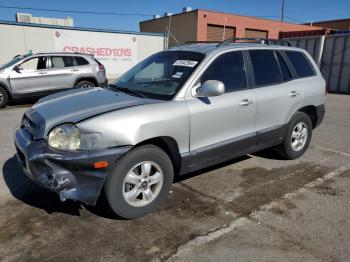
x: 131, y: 126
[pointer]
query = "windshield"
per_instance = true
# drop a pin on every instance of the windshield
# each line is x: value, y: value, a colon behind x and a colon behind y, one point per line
x: 13, y: 61
x: 160, y: 76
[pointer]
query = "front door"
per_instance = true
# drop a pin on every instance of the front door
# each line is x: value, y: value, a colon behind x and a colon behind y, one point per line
x: 223, y: 127
x: 31, y: 76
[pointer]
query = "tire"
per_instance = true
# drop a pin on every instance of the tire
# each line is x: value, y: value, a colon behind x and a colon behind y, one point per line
x: 84, y: 84
x: 134, y: 200
x: 297, y: 137
x: 4, y: 97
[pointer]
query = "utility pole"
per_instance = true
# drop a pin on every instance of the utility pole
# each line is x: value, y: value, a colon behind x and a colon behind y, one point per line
x: 282, y: 16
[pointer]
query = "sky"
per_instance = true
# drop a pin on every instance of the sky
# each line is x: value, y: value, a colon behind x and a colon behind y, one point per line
x: 297, y: 11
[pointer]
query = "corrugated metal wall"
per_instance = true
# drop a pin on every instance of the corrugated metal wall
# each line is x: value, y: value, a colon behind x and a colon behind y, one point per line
x: 332, y: 54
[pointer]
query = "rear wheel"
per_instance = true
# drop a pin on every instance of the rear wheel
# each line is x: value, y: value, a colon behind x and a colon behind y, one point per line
x: 84, y: 84
x: 297, y: 138
x: 4, y: 97
x: 139, y: 182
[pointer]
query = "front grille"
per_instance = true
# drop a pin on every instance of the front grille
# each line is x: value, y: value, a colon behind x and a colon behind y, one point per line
x: 21, y: 157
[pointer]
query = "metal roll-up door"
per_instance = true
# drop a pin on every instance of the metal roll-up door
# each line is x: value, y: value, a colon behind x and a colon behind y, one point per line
x: 251, y: 33
x: 219, y: 32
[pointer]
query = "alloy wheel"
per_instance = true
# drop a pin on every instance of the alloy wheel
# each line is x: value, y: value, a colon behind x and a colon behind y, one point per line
x: 299, y: 136
x: 142, y: 183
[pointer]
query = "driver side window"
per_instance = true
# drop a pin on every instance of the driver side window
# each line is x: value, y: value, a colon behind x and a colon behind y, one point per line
x: 229, y: 69
x: 33, y: 64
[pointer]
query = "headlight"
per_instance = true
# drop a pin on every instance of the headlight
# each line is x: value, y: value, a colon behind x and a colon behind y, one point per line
x: 65, y: 137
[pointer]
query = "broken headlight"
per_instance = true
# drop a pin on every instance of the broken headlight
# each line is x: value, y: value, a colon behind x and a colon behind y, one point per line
x: 64, y: 137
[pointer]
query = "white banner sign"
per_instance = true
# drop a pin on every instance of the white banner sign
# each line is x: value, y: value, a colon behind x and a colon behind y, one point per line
x: 118, y: 52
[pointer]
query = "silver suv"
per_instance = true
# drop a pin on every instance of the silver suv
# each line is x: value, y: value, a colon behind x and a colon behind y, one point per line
x: 178, y: 111
x: 40, y: 74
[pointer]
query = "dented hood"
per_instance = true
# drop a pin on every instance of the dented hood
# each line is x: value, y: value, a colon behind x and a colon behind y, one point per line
x: 76, y: 105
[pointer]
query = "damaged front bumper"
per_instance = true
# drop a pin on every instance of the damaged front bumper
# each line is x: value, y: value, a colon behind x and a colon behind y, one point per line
x: 70, y: 174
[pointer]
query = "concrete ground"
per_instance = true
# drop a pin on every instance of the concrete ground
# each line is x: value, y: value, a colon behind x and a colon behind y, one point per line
x: 256, y: 208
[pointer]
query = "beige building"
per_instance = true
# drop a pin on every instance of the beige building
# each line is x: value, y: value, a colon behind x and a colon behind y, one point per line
x: 117, y: 50
x: 28, y: 18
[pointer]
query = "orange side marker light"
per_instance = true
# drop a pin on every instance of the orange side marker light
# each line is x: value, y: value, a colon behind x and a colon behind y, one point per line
x: 100, y: 164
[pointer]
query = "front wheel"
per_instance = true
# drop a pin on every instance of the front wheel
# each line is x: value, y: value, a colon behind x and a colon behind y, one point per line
x: 297, y: 137
x: 139, y: 182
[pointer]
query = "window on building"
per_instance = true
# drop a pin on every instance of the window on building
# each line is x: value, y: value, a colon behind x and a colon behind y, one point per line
x: 300, y: 63
x: 265, y: 67
x: 229, y: 69
x: 286, y: 74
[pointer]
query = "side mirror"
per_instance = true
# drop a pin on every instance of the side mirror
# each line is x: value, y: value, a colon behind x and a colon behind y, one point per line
x: 18, y: 68
x: 210, y: 88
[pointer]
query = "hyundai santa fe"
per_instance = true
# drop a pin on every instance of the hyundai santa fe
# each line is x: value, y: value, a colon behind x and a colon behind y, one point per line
x: 176, y: 112
x: 39, y: 74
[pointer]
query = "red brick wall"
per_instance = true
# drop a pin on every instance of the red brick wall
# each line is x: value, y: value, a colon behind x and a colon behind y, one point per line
x: 243, y: 22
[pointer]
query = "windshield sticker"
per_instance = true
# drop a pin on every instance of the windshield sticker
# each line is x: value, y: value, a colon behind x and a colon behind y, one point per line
x: 177, y: 75
x: 187, y: 63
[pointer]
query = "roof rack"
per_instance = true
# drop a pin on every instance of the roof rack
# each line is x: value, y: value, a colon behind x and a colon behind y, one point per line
x: 63, y: 53
x: 197, y: 42
x: 201, y: 42
x: 264, y: 41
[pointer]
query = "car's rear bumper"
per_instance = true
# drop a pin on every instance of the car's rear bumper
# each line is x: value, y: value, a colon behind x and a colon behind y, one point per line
x: 320, y: 110
x: 71, y: 174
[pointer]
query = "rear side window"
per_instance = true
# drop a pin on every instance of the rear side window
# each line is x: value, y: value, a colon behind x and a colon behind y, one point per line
x: 62, y: 61
x: 284, y: 68
x: 229, y: 69
x: 79, y: 61
x: 265, y: 67
x: 300, y: 63
x: 67, y: 61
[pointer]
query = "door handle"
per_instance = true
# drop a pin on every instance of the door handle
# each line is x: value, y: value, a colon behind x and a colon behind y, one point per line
x: 246, y: 102
x: 74, y: 70
x: 42, y: 73
x: 293, y: 94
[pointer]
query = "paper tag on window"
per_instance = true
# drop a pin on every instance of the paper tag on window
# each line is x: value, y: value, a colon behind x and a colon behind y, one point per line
x: 177, y: 75
x: 187, y: 63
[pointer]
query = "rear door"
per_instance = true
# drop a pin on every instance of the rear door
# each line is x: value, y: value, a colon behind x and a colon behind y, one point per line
x: 223, y: 127
x: 305, y: 75
x: 64, y: 71
x: 33, y: 76
x: 277, y: 96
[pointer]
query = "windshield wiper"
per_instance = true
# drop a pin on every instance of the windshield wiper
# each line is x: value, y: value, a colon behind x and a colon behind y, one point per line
x: 127, y: 90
